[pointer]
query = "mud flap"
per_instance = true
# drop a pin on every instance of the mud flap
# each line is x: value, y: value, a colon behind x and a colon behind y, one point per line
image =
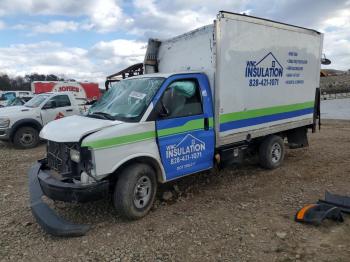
x: 342, y: 202
x: 45, y: 216
x: 316, y: 213
x: 297, y: 138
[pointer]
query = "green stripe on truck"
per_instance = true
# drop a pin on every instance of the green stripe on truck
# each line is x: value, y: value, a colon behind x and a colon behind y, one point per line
x: 224, y: 118
x: 121, y: 140
x: 191, y: 125
x: 128, y: 139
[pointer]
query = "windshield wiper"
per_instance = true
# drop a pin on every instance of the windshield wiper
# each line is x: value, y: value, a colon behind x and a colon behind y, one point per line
x: 103, y: 114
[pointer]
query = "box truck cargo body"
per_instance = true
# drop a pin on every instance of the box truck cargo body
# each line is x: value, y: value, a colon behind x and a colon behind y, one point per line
x: 207, y: 98
x: 87, y: 91
x: 263, y: 75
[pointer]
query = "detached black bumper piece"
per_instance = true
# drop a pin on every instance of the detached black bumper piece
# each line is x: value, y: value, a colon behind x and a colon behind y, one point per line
x: 40, y: 181
x: 316, y: 213
x: 342, y: 202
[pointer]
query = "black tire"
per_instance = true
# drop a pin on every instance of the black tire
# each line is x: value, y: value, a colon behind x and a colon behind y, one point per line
x: 129, y: 204
x: 271, y: 152
x: 26, y: 137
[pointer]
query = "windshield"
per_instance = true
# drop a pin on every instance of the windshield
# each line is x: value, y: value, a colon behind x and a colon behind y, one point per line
x: 126, y: 100
x: 13, y: 102
x: 36, y: 101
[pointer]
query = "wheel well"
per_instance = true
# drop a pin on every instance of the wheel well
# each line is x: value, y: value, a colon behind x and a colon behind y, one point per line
x: 142, y: 159
x: 23, y: 124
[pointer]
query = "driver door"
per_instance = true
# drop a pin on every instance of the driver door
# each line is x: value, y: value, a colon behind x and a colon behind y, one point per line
x: 57, y: 107
x: 184, y: 134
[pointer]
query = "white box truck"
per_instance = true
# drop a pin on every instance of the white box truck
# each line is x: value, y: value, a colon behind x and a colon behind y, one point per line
x: 242, y: 84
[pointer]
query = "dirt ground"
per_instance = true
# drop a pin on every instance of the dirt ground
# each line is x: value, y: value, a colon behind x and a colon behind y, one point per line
x: 238, y: 214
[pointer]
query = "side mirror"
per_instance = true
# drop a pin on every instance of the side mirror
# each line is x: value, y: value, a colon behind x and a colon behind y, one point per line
x: 325, y: 61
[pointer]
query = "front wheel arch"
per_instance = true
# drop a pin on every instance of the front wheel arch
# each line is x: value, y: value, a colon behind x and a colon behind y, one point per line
x: 152, y: 162
x: 23, y: 123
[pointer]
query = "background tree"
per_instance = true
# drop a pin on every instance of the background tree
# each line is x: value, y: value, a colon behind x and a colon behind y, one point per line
x: 24, y: 83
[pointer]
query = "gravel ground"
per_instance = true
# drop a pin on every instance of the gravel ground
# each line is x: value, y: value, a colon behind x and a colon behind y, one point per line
x: 238, y: 214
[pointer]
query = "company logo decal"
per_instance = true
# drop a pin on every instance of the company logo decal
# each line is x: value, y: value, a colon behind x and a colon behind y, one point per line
x: 59, y: 115
x: 189, y: 148
x: 265, y: 72
x: 68, y: 89
x: 76, y: 89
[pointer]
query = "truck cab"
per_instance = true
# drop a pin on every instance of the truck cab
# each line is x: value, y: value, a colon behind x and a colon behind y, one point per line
x: 145, y: 130
x: 21, y: 125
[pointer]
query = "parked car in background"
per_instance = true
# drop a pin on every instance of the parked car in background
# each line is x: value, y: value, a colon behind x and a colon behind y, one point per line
x: 10, y: 95
x: 19, y: 101
x: 21, y: 125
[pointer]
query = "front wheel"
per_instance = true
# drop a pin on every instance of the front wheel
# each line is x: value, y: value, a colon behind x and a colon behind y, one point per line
x: 26, y: 137
x: 271, y: 152
x: 135, y: 191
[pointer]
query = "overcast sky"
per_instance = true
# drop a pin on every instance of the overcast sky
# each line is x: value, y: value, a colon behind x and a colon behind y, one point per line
x: 89, y: 39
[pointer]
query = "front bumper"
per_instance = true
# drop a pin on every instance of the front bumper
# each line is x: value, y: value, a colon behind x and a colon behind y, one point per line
x: 41, y: 182
x: 63, y: 190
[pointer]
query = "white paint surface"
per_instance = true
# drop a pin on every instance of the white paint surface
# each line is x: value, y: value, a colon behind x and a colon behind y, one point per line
x: 335, y: 109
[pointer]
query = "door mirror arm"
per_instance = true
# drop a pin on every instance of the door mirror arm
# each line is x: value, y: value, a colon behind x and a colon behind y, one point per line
x: 164, y: 111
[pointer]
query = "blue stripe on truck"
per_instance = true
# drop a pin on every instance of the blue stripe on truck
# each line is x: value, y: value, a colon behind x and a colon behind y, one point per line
x: 263, y: 119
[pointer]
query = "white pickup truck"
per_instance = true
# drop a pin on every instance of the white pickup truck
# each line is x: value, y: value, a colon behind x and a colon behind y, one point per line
x: 21, y: 125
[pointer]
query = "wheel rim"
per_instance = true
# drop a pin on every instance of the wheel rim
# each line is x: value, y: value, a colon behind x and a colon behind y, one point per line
x: 27, y: 138
x: 276, y: 153
x: 142, y: 192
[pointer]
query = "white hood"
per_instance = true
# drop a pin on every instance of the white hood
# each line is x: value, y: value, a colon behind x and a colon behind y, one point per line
x: 72, y: 128
x: 11, y: 110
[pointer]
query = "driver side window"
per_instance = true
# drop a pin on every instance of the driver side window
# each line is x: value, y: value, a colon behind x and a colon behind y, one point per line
x: 182, y: 98
x: 58, y: 101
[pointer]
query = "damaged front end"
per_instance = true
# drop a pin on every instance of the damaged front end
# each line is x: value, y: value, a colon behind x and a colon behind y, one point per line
x: 63, y: 176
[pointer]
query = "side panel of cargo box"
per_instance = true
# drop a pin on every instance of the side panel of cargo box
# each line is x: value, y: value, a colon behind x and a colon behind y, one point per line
x: 266, y: 76
x: 189, y: 52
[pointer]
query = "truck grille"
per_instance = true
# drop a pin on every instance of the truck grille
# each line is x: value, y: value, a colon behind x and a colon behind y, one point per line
x: 58, y: 157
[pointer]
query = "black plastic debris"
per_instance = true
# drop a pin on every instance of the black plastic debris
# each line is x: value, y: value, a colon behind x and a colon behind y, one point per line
x: 316, y: 213
x: 45, y: 216
x: 342, y: 202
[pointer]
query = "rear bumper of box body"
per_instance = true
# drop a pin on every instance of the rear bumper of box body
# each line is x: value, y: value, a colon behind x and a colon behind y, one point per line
x: 47, y: 217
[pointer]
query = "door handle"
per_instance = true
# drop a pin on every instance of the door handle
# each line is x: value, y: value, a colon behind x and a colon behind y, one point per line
x: 206, y: 123
x: 69, y: 110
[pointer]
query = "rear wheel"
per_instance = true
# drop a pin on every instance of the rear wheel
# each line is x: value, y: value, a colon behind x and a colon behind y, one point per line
x: 135, y: 191
x: 271, y: 152
x: 26, y: 137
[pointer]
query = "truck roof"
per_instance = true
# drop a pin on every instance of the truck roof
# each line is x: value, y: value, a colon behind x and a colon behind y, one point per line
x: 165, y: 75
x: 268, y: 20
